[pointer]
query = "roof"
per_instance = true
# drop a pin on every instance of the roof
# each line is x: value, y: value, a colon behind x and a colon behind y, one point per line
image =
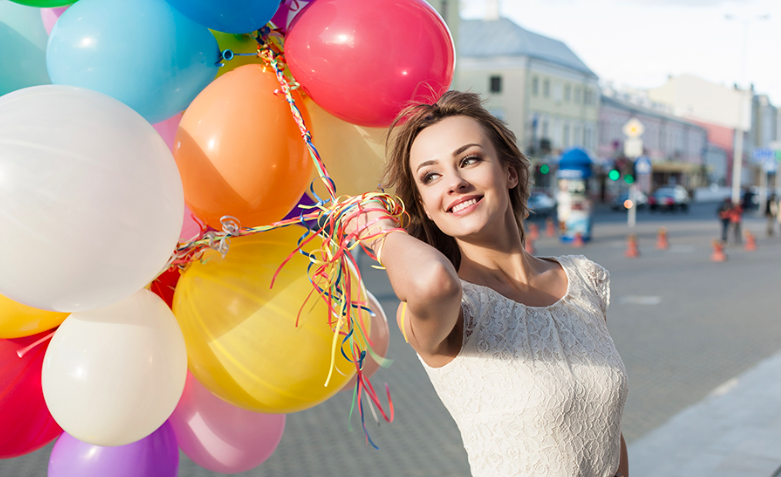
x: 645, y: 111
x: 502, y: 37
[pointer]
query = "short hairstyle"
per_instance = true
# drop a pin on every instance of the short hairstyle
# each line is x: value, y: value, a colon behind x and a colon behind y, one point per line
x: 398, y: 173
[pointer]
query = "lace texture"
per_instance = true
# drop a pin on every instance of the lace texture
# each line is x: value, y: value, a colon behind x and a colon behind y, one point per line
x: 538, y: 391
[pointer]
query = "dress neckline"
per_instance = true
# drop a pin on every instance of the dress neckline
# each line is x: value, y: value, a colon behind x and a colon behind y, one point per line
x: 552, y: 305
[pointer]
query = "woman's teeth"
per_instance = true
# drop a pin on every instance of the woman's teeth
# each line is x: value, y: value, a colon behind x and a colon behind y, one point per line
x: 464, y: 205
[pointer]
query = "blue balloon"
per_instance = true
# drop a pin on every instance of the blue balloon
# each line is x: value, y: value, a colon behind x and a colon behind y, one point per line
x: 229, y: 16
x: 141, y: 52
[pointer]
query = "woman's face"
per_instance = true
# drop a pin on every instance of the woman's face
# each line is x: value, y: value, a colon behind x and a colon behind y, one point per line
x: 463, y: 185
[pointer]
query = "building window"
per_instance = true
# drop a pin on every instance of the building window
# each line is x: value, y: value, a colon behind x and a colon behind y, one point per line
x: 496, y: 84
x: 444, y: 10
x: 565, y: 137
x: 544, y: 128
x: 577, y: 94
x: 577, y: 140
x: 546, y: 88
x: 587, y: 96
x: 557, y: 92
x: 535, y: 85
x: 567, y: 93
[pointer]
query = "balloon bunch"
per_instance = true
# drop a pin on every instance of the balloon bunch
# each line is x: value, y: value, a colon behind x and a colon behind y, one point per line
x: 170, y: 135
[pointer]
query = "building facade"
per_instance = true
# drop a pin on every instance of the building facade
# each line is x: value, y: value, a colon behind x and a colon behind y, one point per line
x: 676, y: 147
x: 536, y: 84
x: 723, y: 112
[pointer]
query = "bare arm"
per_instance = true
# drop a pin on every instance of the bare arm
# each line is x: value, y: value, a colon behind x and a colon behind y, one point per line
x: 623, y: 466
x: 422, y: 278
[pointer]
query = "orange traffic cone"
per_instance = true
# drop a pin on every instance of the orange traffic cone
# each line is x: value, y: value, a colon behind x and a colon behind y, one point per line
x: 718, y: 252
x: 751, y: 242
x: 529, y: 246
x: 578, y: 242
x: 631, y: 247
x: 661, y: 239
x: 550, y: 229
x: 534, y: 231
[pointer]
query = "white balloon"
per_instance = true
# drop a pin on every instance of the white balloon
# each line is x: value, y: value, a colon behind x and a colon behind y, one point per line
x: 91, y: 201
x: 112, y: 376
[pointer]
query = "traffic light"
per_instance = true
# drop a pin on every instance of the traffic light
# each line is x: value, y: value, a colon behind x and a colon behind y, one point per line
x: 630, y: 174
x: 614, y: 174
x: 544, y: 169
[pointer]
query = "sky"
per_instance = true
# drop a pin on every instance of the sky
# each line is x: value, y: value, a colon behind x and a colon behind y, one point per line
x: 638, y: 43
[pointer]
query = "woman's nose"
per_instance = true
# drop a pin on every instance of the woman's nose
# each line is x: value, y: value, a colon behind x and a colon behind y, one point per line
x: 457, y: 183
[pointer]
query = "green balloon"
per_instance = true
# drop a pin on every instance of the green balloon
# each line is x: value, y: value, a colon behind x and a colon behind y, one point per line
x: 23, y: 52
x: 44, y: 3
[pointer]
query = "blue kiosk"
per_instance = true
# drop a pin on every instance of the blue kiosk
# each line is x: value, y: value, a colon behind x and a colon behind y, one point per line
x: 574, y: 207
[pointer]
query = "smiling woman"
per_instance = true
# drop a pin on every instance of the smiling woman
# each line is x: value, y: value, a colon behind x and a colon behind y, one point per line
x: 516, y: 346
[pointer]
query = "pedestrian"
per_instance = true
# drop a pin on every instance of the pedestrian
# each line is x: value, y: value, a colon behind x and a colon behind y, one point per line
x: 516, y: 346
x: 771, y: 213
x: 735, y: 218
x: 724, y: 213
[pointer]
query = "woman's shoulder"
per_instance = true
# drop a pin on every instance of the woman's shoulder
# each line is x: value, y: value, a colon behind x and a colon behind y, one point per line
x: 593, y: 275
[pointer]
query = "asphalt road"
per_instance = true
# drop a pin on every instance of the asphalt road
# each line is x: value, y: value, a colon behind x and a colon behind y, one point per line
x: 683, y: 325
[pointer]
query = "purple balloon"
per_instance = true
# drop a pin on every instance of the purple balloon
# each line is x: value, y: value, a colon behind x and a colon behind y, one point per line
x: 156, y: 455
x: 296, y: 212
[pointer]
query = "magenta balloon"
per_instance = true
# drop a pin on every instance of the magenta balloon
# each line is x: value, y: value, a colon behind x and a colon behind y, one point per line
x: 221, y: 437
x: 156, y: 455
x: 286, y: 12
x: 49, y: 16
x: 363, y: 61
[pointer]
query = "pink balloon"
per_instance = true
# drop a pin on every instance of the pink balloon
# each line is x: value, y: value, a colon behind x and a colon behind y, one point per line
x: 379, y: 337
x: 167, y: 129
x: 190, y: 228
x: 50, y: 17
x: 363, y: 62
x: 221, y: 437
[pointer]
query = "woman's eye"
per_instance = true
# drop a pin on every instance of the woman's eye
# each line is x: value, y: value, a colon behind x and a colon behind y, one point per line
x: 428, y: 177
x: 469, y: 160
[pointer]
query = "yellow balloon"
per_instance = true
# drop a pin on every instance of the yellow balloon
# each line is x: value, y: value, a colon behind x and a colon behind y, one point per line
x: 242, y: 340
x: 17, y: 320
x: 237, y: 43
x: 353, y: 155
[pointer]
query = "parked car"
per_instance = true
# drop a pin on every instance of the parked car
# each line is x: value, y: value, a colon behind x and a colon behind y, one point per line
x: 620, y: 202
x: 670, y: 198
x: 541, y: 204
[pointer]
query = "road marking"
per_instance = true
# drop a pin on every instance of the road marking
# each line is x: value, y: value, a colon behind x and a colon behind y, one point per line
x: 725, y: 387
x: 639, y: 300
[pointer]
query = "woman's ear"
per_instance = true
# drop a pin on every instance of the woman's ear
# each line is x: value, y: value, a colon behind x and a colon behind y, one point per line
x: 512, y: 177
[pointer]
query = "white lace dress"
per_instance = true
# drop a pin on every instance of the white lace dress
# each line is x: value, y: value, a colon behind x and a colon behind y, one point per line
x: 538, y: 391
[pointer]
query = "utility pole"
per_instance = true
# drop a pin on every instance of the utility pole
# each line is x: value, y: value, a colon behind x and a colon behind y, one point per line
x: 737, y: 157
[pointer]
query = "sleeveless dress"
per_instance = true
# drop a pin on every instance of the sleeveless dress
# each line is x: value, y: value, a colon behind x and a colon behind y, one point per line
x: 538, y: 391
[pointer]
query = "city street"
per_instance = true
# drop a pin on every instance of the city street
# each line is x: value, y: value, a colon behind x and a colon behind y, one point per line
x: 683, y: 325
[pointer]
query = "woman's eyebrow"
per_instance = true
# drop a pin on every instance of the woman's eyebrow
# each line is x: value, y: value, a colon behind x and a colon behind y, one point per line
x: 464, y: 148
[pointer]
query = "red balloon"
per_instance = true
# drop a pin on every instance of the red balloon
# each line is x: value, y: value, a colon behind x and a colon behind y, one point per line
x: 363, y: 61
x: 165, y: 285
x: 25, y: 420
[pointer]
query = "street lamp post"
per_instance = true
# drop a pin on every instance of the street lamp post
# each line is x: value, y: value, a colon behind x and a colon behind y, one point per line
x: 737, y: 157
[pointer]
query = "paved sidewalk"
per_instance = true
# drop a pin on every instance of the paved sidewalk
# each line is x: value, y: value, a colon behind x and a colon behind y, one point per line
x: 734, y: 432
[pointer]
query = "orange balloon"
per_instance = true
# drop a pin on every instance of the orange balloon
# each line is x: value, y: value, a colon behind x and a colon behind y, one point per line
x: 240, y: 151
x: 17, y: 320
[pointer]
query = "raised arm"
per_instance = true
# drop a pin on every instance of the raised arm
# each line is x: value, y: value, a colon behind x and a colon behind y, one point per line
x: 426, y: 281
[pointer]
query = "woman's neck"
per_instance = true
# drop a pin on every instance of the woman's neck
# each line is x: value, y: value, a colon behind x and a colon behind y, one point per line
x: 496, y: 256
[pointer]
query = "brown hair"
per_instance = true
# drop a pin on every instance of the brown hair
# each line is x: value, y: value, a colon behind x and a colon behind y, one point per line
x: 398, y: 173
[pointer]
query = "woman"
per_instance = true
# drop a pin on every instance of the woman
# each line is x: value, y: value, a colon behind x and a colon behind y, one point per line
x: 517, y: 347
